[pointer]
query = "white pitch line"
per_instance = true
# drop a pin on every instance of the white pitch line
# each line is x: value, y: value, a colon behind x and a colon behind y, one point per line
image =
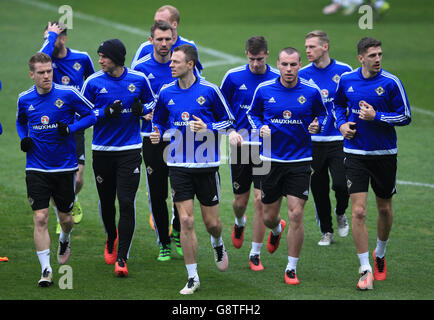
x: 418, y: 184
x: 426, y: 112
x: 227, y: 58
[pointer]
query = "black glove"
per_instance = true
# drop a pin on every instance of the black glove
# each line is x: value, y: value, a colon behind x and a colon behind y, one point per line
x: 113, y: 110
x: 137, y: 108
x: 26, y: 144
x: 62, y: 128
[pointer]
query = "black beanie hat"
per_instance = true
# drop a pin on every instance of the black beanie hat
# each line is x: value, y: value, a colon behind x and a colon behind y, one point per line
x: 115, y: 50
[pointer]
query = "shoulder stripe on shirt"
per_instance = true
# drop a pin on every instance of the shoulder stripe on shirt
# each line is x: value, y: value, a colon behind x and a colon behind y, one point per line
x: 274, y: 70
x: 92, y: 76
x: 233, y: 70
x: 139, y: 50
x: 31, y: 89
x: 401, y: 90
x: 306, y: 66
x: 343, y: 64
x: 262, y: 84
x: 76, y: 92
x: 141, y: 60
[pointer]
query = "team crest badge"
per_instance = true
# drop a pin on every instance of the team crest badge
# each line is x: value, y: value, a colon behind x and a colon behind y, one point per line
x: 379, y: 91
x: 287, y: 114
x: 201, y: 100
x: 185, y: 116
x: 132, y: 88
x: 76, y: 66
x: 301, y: 99
x: 325, y: 93
x: 336, y: 78
x: 58, y: 103
x: 65, y: 80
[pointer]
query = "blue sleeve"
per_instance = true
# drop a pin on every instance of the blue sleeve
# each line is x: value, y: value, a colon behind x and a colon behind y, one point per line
x: 148, y: 96
x: 1, y: 129
x: 255, y: 112
x: 400, y: 114
x: 227, y: 89
x: 84, y: 108
x: 319, y: 110
x: 88, y: 92
x: 48, y: 46
x: 89, y: 69
x: 161, y: 115
x: 340, y: 106
x: 21, y: 122
x: 222, y: 115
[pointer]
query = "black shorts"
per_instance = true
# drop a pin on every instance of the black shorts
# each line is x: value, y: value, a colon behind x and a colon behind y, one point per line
x: 41, y: 186
x: 380, y: 170
x: 204, y: 183
x: 242, y: 161
x: 286, y: 179
x: 80, y: 146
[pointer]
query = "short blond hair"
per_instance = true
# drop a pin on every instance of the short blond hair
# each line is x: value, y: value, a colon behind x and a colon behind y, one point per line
x: 174, y: 13
x: 321, y: 35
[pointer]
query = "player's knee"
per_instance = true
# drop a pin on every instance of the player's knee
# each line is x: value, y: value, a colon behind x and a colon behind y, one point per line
x: 187, y: 222
x: 269, y: 219
x: 212, y: 225
x: 359, y: 212
x: 295, y: 215
x: 41, y: 219
x: 240, y: 204
x: 385, y: 209
x: 126, y: 204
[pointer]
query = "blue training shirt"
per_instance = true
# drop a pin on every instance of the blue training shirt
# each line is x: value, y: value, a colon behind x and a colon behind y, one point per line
x: 146, y: 48
x: 37, y: 116
x: 174, y: 110
x: 327, y: 80
x: 238, y: 86
x: 121, y: 133
x: 288, y: 113
x: 71, y: 70
x: 158, y: 74
x: 386, y: 94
